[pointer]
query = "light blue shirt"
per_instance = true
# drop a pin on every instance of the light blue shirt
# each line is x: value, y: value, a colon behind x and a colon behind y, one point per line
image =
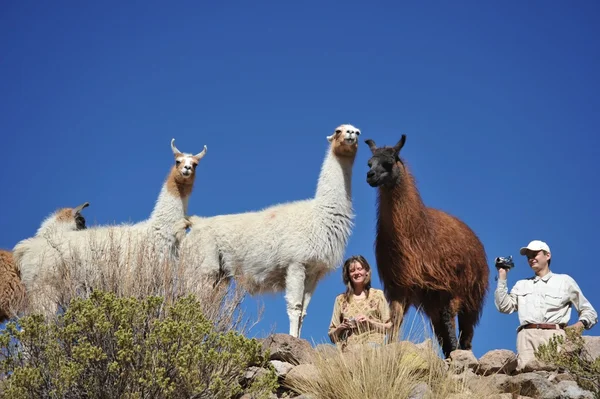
x: 545, y: 299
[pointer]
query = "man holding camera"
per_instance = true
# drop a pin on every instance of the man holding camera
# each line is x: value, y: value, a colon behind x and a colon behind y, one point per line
x: 543, y: 302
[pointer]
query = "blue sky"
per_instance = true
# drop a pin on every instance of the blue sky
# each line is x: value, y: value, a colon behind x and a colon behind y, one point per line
x: 499, y: 101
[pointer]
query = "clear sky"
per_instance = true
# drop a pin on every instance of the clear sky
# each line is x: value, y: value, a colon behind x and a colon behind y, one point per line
x: 499, y: 101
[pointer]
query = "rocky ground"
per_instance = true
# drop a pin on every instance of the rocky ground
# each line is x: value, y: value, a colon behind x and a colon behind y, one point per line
x: 292, y: 358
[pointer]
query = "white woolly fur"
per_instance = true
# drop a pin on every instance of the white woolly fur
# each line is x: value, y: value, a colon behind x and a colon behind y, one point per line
x: 154, y: 239
x: 12, y: 291
x: 288, y: 246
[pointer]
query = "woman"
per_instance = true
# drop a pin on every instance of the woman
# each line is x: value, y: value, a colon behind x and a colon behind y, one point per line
x: 361, y: 314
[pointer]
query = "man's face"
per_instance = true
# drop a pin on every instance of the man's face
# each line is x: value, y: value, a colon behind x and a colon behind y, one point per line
x: 538, y: 260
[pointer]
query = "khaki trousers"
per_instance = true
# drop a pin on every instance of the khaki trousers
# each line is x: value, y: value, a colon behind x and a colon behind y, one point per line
x: 529, y: 339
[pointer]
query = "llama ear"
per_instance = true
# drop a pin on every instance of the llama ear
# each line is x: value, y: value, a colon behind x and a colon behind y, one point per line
x: 173, y: 148
x: 80, y: 208
x: 330, y: 138
x: 400, y: 144
x: 201, y: 154
x: 371, y: 145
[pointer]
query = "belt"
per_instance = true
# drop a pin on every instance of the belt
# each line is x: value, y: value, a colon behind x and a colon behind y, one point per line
x: 542, y: 326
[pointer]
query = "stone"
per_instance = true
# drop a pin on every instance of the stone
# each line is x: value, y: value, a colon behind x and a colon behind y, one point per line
x: 281, y: 368
x: 288, y: 349
x: 462, y: 359
x: 570, y: 390
x: 500, y: 361
x: 302, y: 372
x: 537, y: 366
x: 592, y: 347
x: 535, y: 385
x: 420, y: 391
x: 503, y: 383
x: 563, y: 377
x: 255, y: 372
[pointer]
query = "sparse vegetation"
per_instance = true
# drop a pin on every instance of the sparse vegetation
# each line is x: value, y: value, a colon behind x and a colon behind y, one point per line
x: 392, y: 371
x: 122, y: 347
x: 570, y: 355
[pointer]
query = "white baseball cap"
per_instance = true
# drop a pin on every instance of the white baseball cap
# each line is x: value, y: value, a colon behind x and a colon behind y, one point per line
x: 535, y: 245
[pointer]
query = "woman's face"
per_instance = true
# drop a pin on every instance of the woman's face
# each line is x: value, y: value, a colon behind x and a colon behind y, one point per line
x: 358, y: 274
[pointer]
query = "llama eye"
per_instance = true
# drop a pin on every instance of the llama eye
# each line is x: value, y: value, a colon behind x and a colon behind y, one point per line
x: 177, y: 162
x: 338, y: 131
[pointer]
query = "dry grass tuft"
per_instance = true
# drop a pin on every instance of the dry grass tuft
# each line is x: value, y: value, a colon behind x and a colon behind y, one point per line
x: 107, y: 265
x: 392, y: 371
x: 395, y: 370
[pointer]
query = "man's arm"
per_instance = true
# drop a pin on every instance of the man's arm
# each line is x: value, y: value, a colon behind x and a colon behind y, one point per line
x: 588, y: 317
x: 505, y: 302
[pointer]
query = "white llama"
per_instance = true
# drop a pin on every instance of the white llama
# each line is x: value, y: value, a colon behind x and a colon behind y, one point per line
x: 288, y: 246
x: 153, y: 240
x: 12, y: 290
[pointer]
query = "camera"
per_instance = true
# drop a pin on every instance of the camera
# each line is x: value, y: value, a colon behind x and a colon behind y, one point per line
x: 504, y: 262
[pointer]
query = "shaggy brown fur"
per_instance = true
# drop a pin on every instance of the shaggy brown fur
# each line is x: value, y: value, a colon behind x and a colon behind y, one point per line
x: 425, y: 257
x: 12, y: 291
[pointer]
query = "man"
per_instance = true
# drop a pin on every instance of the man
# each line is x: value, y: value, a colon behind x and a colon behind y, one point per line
x: 543, y: 302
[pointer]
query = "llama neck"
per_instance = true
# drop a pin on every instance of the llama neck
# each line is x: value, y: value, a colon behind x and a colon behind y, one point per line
x: 401, y: 212
x: 56, y: 222
x: 335, y: 180
x: 172, y: 202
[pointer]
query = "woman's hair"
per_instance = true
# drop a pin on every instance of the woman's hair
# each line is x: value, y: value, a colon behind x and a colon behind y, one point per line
x: 346, y: 275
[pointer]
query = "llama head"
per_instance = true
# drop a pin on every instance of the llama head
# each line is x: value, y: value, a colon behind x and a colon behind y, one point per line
x: 185, y: 164
x: 384, y: 165
x: 65, y: 219
x: 344, y: 141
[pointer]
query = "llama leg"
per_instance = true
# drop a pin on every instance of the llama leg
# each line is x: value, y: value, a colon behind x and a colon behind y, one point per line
x: 294, y: 295
x: 398, y: 309
x: 466, y: 326
x: 310, y: 284
x: 445, y: 330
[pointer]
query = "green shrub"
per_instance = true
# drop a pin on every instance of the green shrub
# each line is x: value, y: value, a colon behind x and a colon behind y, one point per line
x: 110, y: 347
x: 570, y: 355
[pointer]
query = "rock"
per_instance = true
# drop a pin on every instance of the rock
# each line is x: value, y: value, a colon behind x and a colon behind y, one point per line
x: 420, y: 391
x: 255, y: 372
x: 500, y: 361
x: 462, y: 359
x: 563, y: 377
x: 537, y: 366
x: 503, y: 383
x: 306, y: 372
x: 570, y: 390
x: 535, y: 385
x: 592, y: 347
x: 472, y: 381
x: 250, y: 396
x: 288, y: 349
x: 281, y: 368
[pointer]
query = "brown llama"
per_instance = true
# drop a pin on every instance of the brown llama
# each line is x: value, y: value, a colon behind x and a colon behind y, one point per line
x: 425, y: 257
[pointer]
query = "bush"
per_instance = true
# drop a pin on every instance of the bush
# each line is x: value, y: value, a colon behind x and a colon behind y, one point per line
x: 569, y: 354
x: 111, y: 347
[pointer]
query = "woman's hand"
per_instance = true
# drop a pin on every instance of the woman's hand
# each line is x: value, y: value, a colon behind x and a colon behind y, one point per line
x: 361, y: 318
x: 345, y: 325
